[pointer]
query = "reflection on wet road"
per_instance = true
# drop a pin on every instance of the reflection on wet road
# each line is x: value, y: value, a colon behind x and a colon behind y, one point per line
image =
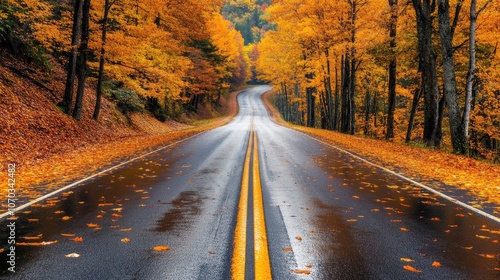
x: 327, y: 216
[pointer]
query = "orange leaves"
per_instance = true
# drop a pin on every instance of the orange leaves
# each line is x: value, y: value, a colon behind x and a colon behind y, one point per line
x: 436, y: 264
x: 78, y: 239
x: 301, y: 271
x: 161, y: 248
x: 125, y: 240
x: 44, y: 243
x: 411, y: 269
x: 406, y: 260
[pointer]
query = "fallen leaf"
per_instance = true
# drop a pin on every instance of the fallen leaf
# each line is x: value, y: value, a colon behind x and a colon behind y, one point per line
x: 33, y: 220
x: 411, y: 269
x: 126, y: 229
x: 298, y: 238
x: 488, y: 256
x: 44, y: 243
x: 67, y: 234
x: 114, y: 215
x: 352, y: 220
x: 309, y: 265
x: 301, y: 271
x: 406, y: 260
x: 72, y: 255
x: 436, y: 264
x: 99, y: 216
x: 287, y: 249
x: 65, y: 218
x: 125, y: 240
x: 211, y: 253
x: 32, y: 237
x: 482, y: 236
x: 91, y: 225
x: 78, y: 239
x: 161, y: 248
x: 404, y: 229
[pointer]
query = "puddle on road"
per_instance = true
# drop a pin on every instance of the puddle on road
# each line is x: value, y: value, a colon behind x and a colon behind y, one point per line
x: 185, y: 208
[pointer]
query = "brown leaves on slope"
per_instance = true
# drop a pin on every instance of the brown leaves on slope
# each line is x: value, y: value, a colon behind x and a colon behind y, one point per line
x: 52, y: 149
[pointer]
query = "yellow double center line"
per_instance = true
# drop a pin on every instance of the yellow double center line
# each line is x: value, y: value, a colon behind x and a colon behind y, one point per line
x: 262, y: 264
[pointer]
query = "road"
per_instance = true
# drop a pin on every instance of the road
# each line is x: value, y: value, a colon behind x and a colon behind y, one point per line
x: 251, y: 199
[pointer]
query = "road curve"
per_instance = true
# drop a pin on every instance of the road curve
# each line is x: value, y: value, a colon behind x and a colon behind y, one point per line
x: 325, y: 215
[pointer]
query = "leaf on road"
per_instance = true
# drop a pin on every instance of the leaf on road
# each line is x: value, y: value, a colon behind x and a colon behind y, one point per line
x: 126, y: 229
x: 406, y: 260
x: 78, y: 239
x: 125, y: 240
x: 161, y: 248
x: 301, y: 271
x: 72, y: 255
x: 488, y: 256
x: 44, y: 243
x: 65, y: 218
x: 287, y: 249
x: 482, y: 236
x: 99, y: 216
x: 436, y: 264
x: 32, y: 237
x: 404, y: 229
x: 114, y: 215
x: 33, y: 220
x: 298, y: 238
x: 435, y: 219
x: 352, y: 220
x: 92, y: 225
x: 68, y: 234
x: 411, y: 269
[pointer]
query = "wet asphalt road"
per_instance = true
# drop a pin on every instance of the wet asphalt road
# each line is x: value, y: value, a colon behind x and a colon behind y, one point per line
x: 326, y: 214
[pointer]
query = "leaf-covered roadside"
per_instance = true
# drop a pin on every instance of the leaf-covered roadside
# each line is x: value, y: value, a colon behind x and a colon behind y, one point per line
x: 65, y: 167
x: 480, y: 179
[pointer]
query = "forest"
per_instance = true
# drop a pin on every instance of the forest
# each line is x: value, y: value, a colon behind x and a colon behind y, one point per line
x: 163, y: 56
x: 425, y: 72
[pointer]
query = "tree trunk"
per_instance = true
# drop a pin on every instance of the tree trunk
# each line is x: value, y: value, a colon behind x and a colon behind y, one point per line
x: 352, y: 89
x: 368, y: 104
x: 427, y: 68
x: 336, y: 102
x: 345, y: 94
x: 474, y: 14
x: 107, y: 7
x: 392, y: 70
x: 82, y: 60
x: 72, y: 61
x: 450, y: 85
x: 416, y: 98
x: 329, y: 94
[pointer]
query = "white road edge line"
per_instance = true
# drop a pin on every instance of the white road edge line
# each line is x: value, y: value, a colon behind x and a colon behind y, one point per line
x: 449, y: 198
x: 42, y: 198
